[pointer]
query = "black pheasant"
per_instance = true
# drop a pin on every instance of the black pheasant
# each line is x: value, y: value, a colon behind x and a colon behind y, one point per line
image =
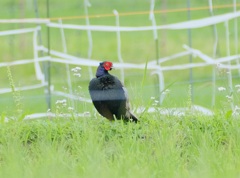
x: 109, y: 95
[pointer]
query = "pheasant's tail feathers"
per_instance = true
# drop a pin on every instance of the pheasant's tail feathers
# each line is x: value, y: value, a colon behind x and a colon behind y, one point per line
x: 133, y: 118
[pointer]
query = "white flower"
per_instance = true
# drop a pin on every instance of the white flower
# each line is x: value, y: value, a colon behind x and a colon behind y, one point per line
x: 76, y: 69
x: 155, y: 103
x: 73, y: 70
x: 236, y: 111
x: 166, y: 92
x: 237, y: 108
x: 70, y: 109
x: 229, y: 98
x: 152, y: 98
x: 237, y: 86
x: 63, y: 102
x: 77, y: 74
x: 221, y: 89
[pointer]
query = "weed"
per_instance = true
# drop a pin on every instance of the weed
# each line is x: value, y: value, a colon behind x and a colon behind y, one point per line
x: 17, y: 98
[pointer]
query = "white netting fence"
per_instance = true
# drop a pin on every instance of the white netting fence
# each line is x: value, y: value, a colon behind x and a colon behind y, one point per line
x: 228, y: 62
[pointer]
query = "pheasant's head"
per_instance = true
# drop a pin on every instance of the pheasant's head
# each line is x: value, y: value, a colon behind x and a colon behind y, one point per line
x: 103, y: 68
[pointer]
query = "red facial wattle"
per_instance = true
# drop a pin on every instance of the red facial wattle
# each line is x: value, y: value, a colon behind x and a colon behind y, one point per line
x: 107, y: 65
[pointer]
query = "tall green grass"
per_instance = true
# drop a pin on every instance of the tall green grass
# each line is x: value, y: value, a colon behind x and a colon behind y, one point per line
x: 158, y: 146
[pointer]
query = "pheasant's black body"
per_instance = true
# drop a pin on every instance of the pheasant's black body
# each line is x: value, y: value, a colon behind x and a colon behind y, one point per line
x: 109, y: 95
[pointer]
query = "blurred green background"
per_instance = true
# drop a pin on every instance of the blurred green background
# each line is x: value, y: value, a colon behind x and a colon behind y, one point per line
x: 136, y: 47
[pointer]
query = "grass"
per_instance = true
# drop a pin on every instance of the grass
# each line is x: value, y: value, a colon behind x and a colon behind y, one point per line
x: 159, y: 146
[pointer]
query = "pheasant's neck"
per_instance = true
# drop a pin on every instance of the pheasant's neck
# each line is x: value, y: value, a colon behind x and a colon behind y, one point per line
x: 101, y: 72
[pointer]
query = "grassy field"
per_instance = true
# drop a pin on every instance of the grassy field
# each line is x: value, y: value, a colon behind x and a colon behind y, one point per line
x: 189, y: 146
x: 193, y: 145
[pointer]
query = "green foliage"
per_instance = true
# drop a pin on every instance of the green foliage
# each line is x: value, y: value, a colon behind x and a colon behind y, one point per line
x: 159, y: 146
x: 16, y: 95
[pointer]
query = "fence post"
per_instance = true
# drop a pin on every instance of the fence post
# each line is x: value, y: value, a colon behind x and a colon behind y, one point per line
x: 215, y: 52
x: 119, y: 43
x: 229, y: 72
x: 89, y: 34
x: 236, y: 33
x: 190, y: 55
x: 48, y: 72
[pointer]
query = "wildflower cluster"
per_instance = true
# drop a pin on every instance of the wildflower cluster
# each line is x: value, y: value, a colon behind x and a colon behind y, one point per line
x: 155, y: 102
x: 76, y: 71
x: 61, y: 105
x: 230, y: 98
